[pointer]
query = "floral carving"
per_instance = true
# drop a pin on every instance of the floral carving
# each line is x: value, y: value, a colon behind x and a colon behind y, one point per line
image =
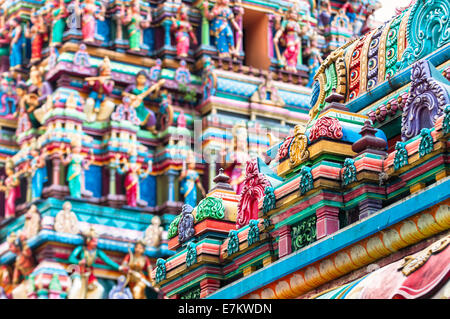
x: 191, y: 255
x: 326, y: 127
x: 283, y: 151
x: 173, y: 227
x: 401, y: 156
x: 428, y: 26
x: 253, y: 232
x: 269, y: 201
x: 304, y: 233
x: 252, y: 191
x: 160, y: 270
x: 298, y: 151
x: 233, y: 242
x: 446, y: 122
x: 349, y: 172
x: 306, y: 180
x: 426, y: 101
x: 186, y: 225
x: 210, y: 207
x: 426, y: 142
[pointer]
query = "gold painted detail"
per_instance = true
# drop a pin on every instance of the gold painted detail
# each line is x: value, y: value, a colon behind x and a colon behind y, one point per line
x: 298, y: 151
x: 411, y: 264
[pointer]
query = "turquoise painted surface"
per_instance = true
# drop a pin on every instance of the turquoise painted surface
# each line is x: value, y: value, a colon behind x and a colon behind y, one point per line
x: 389, y: 216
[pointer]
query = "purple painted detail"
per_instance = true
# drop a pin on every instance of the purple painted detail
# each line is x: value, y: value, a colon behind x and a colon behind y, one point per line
x: 155, y: 71
x: 429, y: 94
x: 182, y: 74
x: 186, y: 225
x: 372, y: 59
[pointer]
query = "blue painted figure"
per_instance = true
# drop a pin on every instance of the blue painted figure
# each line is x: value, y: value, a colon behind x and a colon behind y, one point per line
x: 16, y: 45
x: 189, y: 179
x: 38, y: 174
x: 222, y: 19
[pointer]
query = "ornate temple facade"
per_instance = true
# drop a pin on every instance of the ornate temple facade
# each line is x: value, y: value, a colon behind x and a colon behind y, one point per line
x: 223, y: 149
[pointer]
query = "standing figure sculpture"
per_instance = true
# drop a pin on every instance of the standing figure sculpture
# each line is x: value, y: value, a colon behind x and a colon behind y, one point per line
x: 134, y: 265
x: 76, y: 163
x: 38, y: 35
x: 57, y: 16
x: 16, y: 44
x: 289, y: 35
x: 221, y: 28
x: 23, y: 265
x: 85, y: 285
x: 315, y: 60
x: 98, y: 106
x: 135, y: 24
x: 137, y: 93
x: 32, y: 224
x: 324, y: 14
x: 189, y: 181
x: 183, y: 31
x: 4, y: 43
x: 90, y: 12
x: 38, y: 173
x: 39, y: 94
x: 134, y: 173
x: 11, y: 187
x: 236, y: 160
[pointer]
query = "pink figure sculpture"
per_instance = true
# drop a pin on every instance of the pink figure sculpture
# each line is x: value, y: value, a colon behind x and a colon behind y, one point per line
x: 183, y: 31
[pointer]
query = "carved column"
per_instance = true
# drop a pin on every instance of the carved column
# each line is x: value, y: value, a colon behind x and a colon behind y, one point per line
x: 166, y: 25
x: 171, y: 174
x: 208, y: 286
x: 369, y: 206
x: 327, y: 221
x: 285, y: 241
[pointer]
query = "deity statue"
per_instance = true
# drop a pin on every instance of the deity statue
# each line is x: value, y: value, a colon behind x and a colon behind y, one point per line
x: 236, y: 159
x: 4, y: 43
x: 76, y: 162
x: 11, y: 187
x: 351, y: 8
x: 84, y: 257
x: 152, y: 236
x: 134, y: 266
x: 38, y: 35
x: 5, y: 279
x: 8, y: 96
x: 135, y: 24
x: 90, y: 12
x: 124, y: 112
x: 66, y: 221
x: 324, y: 14
x: 183, y: 31
x: 98, y: 106
x: 32, y: 224
x: 38, y: 173
x: 189, y: 180
x: 289, y: 35
x: 134, y: 173
x: 25, y: 263
x: 38, y: 95
x: 222, y: 22
x: 314, y: 61
x: 58, y: 13
x: 137, y: 93
x: 17, y: 42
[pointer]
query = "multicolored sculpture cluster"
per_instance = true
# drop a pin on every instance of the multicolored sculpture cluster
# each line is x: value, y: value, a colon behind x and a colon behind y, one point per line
x: 223, y: 134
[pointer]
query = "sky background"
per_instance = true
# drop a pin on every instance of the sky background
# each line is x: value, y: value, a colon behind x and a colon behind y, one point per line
x: 388, y: 9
